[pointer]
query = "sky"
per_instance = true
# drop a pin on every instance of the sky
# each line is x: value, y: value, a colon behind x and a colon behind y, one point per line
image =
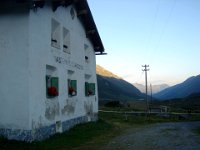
x: 164, y: 34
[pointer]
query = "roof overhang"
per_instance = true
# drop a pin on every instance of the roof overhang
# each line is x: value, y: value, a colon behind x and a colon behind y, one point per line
x: 83, y: 13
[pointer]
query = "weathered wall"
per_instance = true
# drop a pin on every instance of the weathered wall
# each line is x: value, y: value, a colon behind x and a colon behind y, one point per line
x: 46, y: 111
x: 14, y: 102
x: 27, y: 56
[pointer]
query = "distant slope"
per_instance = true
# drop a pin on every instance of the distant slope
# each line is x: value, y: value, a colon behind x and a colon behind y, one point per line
x: 191, y: 102
x: 111, y: 87
x: 103, y: 72
x: 155, y: 88
x: 184, y: 89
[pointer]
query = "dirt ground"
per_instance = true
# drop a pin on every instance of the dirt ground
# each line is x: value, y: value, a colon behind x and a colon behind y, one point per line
x: 160, y: 136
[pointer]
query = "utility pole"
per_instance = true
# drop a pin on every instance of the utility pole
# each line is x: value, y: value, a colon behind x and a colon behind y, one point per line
x: 146, y: 69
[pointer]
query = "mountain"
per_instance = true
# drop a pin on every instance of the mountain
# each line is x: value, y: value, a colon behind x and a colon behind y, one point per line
x: 184, y: 89
x: 103, y: 72
x: 194, y: 95
x: 155, y: 88
x: 112, y: 87
x: 191, y: 102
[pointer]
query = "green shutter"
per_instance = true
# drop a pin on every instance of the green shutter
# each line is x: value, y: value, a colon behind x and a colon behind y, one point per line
x: 74, y: 84
x: 54, y: 82
x: 86, y: 88
x: 92, y: 88
x: 69, y: 85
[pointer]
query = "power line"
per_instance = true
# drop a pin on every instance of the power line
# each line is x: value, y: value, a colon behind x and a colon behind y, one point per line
x: 165, y: 26
x: 153, y: 25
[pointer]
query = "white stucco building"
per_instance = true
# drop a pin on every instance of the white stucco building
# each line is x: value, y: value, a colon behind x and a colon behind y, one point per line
x: 47, y: 67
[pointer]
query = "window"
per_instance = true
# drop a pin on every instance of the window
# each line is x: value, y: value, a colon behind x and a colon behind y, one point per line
x: 52, y: 86
x: 72, y: 87
x: 89, y: 89
x: 86, y: 59
x: 55, y: 33
x: 58, y: 126
x: 66, y: 41
x: 86, y: 53
x: 92, y: 88
x: 72, y: 13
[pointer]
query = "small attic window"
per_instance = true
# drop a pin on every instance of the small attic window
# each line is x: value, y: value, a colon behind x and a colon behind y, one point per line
x: 66, y: 41
x: 87, y: 59
x: 55, y: 33
x: 72, y: 13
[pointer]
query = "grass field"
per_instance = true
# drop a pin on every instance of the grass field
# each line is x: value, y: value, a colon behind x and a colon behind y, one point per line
x: 197, y: 130
x: 83, y: 136
x: 90, y: 135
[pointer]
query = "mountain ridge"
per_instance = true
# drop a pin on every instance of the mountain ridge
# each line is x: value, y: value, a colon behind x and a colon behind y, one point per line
x: 104, y: 72
x: 112, y: 87
x: 155, y: 88
x: 181, y: 90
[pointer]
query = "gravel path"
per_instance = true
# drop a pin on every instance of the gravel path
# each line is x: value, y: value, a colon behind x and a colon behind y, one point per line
x: 161, y: 136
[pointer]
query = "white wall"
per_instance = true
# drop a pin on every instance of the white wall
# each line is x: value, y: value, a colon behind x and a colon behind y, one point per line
x: 14, y: 73
x: 25, y: 52
x: 42, y: 53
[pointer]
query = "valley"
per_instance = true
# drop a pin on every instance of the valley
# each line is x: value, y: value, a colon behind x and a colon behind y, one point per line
x: 182, y: 97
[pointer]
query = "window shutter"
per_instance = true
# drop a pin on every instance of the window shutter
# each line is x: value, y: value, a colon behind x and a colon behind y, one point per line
x: 92, y: 88
x: 72, y: 87
x: 51, y: 86
x: 86, y: 89
x: 48, y: 84
x: 54, y: 82
x: 74, y: 84
x: 69, y: 85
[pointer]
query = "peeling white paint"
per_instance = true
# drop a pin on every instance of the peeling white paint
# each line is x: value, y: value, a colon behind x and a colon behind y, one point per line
x: 25, y: 51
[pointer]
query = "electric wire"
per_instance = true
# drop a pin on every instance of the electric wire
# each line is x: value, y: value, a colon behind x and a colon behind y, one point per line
x: 153, y: 25
x: 164, y: 28
x: 154, y: 50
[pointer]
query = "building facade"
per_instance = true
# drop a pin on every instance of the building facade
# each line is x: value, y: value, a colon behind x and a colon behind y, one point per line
x: 47, y: 63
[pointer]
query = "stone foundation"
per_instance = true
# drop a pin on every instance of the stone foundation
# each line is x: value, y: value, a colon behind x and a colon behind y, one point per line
x: 44, y: 132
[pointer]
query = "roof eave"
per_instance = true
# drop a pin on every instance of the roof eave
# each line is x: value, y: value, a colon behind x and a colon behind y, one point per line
x: 83, y: 13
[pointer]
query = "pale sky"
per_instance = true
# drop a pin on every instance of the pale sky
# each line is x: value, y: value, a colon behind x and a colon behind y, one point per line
x: 165, y: 34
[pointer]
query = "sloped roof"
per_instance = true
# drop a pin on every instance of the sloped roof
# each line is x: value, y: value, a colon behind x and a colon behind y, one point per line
x: 83, y: 13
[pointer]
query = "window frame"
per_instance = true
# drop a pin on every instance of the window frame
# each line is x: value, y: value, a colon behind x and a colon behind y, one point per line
x: 52, y: 86
x: 72, y: 87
